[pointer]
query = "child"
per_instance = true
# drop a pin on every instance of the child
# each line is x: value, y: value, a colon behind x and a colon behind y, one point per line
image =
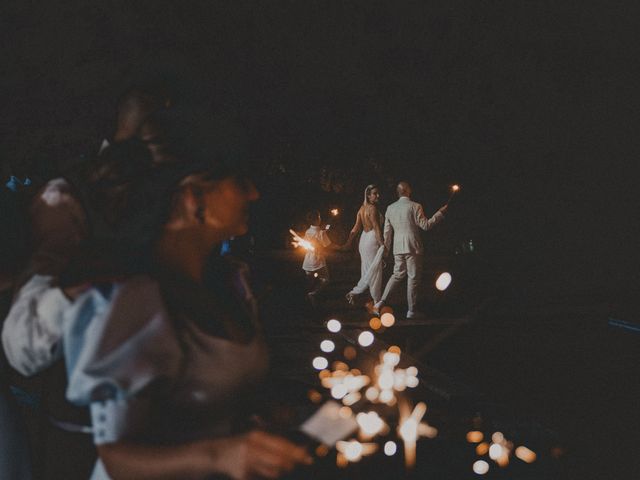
x: 315, y: 263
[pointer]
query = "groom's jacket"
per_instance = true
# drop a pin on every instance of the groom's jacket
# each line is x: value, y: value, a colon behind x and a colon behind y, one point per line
x: 403, y: 221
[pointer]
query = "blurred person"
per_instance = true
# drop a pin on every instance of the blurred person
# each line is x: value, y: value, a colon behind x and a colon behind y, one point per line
x: 168, y: 353
x: 403, y: 221
x: 59, y: 224
x: 14, y: 447
x: 315, y: 261
x: 371, y: 246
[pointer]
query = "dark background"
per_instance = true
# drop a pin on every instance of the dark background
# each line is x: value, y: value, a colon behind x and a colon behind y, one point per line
x: 530, y: 106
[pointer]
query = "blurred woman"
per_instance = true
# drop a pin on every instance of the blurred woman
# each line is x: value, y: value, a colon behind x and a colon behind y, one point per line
x: 371, y: 248
x: 167, y: 352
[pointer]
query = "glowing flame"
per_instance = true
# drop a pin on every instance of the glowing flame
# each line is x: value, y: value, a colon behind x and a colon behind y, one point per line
x: 298, y: 241
x: 455, y: 188
x: 335, y: 212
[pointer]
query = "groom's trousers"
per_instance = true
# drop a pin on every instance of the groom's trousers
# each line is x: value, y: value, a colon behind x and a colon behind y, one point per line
x: 406, y: 265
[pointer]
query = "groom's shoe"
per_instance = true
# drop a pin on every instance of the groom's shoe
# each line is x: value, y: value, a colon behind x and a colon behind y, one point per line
x: 377, y: 306
x: 414, y: 314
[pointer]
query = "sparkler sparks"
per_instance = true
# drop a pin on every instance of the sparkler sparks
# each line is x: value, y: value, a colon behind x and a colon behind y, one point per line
x: 298, y: 241
x: 353, y: 451
x: 410, y: 428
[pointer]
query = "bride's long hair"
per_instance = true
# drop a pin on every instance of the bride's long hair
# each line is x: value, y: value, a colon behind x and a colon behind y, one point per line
x: 367, y: 191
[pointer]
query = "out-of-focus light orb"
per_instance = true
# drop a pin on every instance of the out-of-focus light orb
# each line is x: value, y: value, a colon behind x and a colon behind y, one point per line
x: 482, y: 449
x: 475, y: 437
x: 370, y: 423
x: 315, y: 275
x: 334, y: 326
x: 526, y: 455
x: 365, y: 339
x: 386, y: 380
x: 353, y: 451
x: 411, y: 371
x: 350, y: 399
x: 386, y: 396
x: 394, y: 349
x: 349, y: 352
x: 497, y: 437
x: 315, y: 396
x: 338, y: 391
x: 455, y: 188
x: 320, y: 363
x: 345, y: 412
x: 443, y: 281
x: 335, y: 212
x: 372, y: 394
x: 327, y: 346
x: 495, y: 451
x: 322, y: 450
x: 339, y: 366
x: 390, y: 448
x: 391, y: 358
x: 375, y: 323
x: 480, y: 467
x: 387, y: 319
x: 412, y: 382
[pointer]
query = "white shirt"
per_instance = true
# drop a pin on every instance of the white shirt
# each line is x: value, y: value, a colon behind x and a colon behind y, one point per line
x: 315, y: 260
x: 33, y: 328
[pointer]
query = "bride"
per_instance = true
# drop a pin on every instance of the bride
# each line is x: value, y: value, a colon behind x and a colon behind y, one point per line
x: 371, y: 247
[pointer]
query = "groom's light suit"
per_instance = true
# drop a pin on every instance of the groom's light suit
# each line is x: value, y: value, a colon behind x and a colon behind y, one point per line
x: 403, y: 221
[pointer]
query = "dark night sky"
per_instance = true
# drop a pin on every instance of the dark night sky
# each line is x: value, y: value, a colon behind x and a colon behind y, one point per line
x: 529, y: 105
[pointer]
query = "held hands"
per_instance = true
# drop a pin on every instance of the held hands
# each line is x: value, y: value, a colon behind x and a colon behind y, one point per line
x: 258, y: 453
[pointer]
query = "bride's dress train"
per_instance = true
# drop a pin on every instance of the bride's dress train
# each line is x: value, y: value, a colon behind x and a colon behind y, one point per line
x: 371, y: 254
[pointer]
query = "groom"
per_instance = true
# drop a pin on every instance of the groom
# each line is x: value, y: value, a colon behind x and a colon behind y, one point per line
x: 403, y: 221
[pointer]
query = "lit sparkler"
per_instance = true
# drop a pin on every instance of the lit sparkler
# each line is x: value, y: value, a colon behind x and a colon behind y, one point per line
x: 454, y: 189
x: 411, y: 428
x: 298, y: 241
x: 352, y: 451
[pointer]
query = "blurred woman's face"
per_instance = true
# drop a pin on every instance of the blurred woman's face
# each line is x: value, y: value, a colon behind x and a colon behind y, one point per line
x: 226, y: 206
x: 374, y: 196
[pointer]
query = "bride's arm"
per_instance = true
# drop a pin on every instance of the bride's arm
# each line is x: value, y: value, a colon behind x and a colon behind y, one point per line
x: 253, y: 454
x: 354, y: 231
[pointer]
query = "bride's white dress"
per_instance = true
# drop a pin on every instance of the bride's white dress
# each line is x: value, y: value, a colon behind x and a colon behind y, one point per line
x: 371, y: 254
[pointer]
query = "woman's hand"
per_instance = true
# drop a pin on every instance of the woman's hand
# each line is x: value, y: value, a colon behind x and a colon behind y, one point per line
x: 257, y: 453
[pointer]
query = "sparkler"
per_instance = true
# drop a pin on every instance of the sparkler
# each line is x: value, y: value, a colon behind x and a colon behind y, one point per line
x: 454, y: 189
x: 353, y: 450
x: 298, y: 241
x: 411, y: 428
x: 353, y: 389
